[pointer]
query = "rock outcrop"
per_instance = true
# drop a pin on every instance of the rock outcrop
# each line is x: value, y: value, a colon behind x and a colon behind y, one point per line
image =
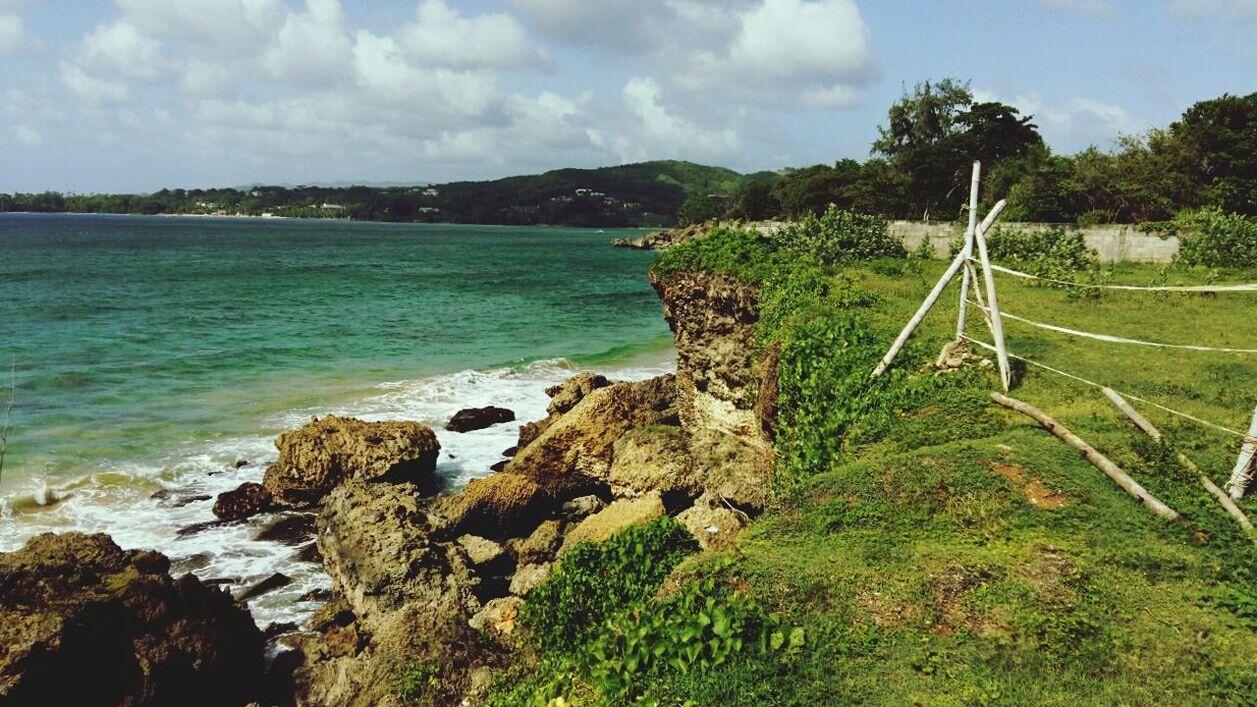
x: 719, y: 381
x: 314, y: 459
x: 84, y: 622
x: 472, y: 419
x: 575, y: 450
x: 246, y: 500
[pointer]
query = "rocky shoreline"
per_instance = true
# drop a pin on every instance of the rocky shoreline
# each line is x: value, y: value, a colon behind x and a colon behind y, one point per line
x: 421, y: 575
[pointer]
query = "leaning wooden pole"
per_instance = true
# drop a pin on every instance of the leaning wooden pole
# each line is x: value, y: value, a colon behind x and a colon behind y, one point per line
x: 1144, y: 424
x: 967, y: 249
x: 1098, y: 460
x: 997, y: 323
x: 932, y: 298
x: 1237, y: 486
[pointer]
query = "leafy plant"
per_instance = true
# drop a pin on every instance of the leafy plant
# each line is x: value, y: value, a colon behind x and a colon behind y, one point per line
x: 596, y: 581
x: 1055, y: 253
x: 700, y: 629
x: 1212, y: 238
x: 839, y: 236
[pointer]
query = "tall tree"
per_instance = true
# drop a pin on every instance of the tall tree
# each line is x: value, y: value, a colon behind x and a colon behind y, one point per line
x: 1217, y: 140
x: 920, y: 139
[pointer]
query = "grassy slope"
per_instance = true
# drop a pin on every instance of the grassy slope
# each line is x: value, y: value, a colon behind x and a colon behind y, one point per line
x: 945, y: 551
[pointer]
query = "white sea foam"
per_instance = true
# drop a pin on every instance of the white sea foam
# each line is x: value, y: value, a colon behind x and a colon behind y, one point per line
x: 119, y: 498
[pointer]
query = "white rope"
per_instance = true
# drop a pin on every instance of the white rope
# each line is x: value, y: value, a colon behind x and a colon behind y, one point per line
x: 1242, y: 435
x: 1150, y: 288
x: 1116, y: 339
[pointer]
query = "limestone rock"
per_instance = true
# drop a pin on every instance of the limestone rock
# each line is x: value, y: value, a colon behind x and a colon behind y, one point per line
x: 711, y: 522
x: 500, y: 505
x: 498, y: 616
x: 653, y: 459
x: 583, y: 507
x: 85, y: 622
x: 246, y: 500
x: 575, y: 450
x: 618, y: 516
x: 471, y: 419
x: 316, y: 458
x: 485, y: 556
x: 566, y: 395
x: 528, y: 577
x: 541, y: 545
x: 376, y: 548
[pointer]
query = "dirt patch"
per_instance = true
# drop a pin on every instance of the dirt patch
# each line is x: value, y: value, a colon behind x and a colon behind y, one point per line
x: 1040, y: 496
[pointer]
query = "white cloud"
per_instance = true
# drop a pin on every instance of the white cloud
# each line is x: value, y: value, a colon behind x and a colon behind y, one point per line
x: 1089, y: 8
x: 312, y: 47
x: 28, y: 136
x: 812, y: 52
x: 119, y: 49
x: 440, y: 36
x: 13, y: 35
x: 663, y: 132
x: 215, y: 27
x: 1074, y: 123
x: 92, y: 90
x: 1215, y: 9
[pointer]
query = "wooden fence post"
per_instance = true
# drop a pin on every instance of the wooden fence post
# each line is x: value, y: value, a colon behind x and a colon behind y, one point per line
x: 1243, y: 473
x: 956, y: 264
x: 967, y: 249
x: 997, y: 324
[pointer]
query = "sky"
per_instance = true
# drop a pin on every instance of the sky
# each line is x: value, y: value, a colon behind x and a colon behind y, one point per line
x: 137, y: 95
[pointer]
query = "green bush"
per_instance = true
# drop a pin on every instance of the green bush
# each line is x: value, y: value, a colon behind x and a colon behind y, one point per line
x: 840, y: 236
x: 596, y: 581
x: 699, y: 630
x: 1056, y: 253
x: 749, y: 255
x: 1213, y: 238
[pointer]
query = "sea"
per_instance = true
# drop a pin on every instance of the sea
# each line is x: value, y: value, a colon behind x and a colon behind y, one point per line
x: 153, y: 360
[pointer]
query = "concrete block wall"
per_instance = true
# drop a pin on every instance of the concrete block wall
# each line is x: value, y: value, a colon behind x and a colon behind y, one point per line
x: 1113, y: 243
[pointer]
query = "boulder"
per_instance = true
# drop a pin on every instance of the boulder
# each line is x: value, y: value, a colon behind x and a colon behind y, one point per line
x: 84, y: 622
x: 471, y: 419
x: 575, y: 450
x: 529, y: 431
x: 653, y: 459
x: 376, y: 546
x: 485, y: 556
x: 712, y: 523
x: 290, y: 529
x: 528, y: 577
x: 541, y: 545
x: 497, y: 506
x: 270, y: 584
x: 582, y: 507
x: 498, y: 616
x: 316, y: 458
x: 566, y: 395
x: 620, y: 515
x: 246, y: 500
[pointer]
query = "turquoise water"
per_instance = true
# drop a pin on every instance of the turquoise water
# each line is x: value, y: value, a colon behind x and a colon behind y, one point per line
x: 132, y: 334
x: 151, y: 354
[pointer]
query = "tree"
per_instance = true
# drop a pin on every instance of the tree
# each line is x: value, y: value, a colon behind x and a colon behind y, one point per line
x: 756, y: 202
x: 994, y: 132
x: 920, y: 140
x: 1217, y: 148
x: 697, y: 209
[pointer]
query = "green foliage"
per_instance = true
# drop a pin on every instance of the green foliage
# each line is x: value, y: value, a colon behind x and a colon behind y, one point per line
x: 1057, y: 253
x: 698, y: 208
x: 596, y: 581
x: 418, y: 686
x: 702, y: 629
x: 1217, y: 149
x: 1210, y: 237
x: 839, y: 236
x: 749, y: 255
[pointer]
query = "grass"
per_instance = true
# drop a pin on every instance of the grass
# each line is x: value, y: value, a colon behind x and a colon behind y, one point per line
x: 937, y: 549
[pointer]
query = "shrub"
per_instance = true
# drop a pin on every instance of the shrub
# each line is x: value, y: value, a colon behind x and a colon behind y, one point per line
x: 840, y: 236
x: 750, y: 255
x: 1056, y: 253
x: 701, y: 629
x: 596, y: 581
x: 1213, y: 238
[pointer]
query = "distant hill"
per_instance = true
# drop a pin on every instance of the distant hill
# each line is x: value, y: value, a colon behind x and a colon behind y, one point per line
x: 643, y: 194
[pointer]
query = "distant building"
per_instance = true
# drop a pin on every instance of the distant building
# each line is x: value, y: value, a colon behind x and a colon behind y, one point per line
x: 431, y: 192
x: 332, y: 207
x: 584, y: 192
